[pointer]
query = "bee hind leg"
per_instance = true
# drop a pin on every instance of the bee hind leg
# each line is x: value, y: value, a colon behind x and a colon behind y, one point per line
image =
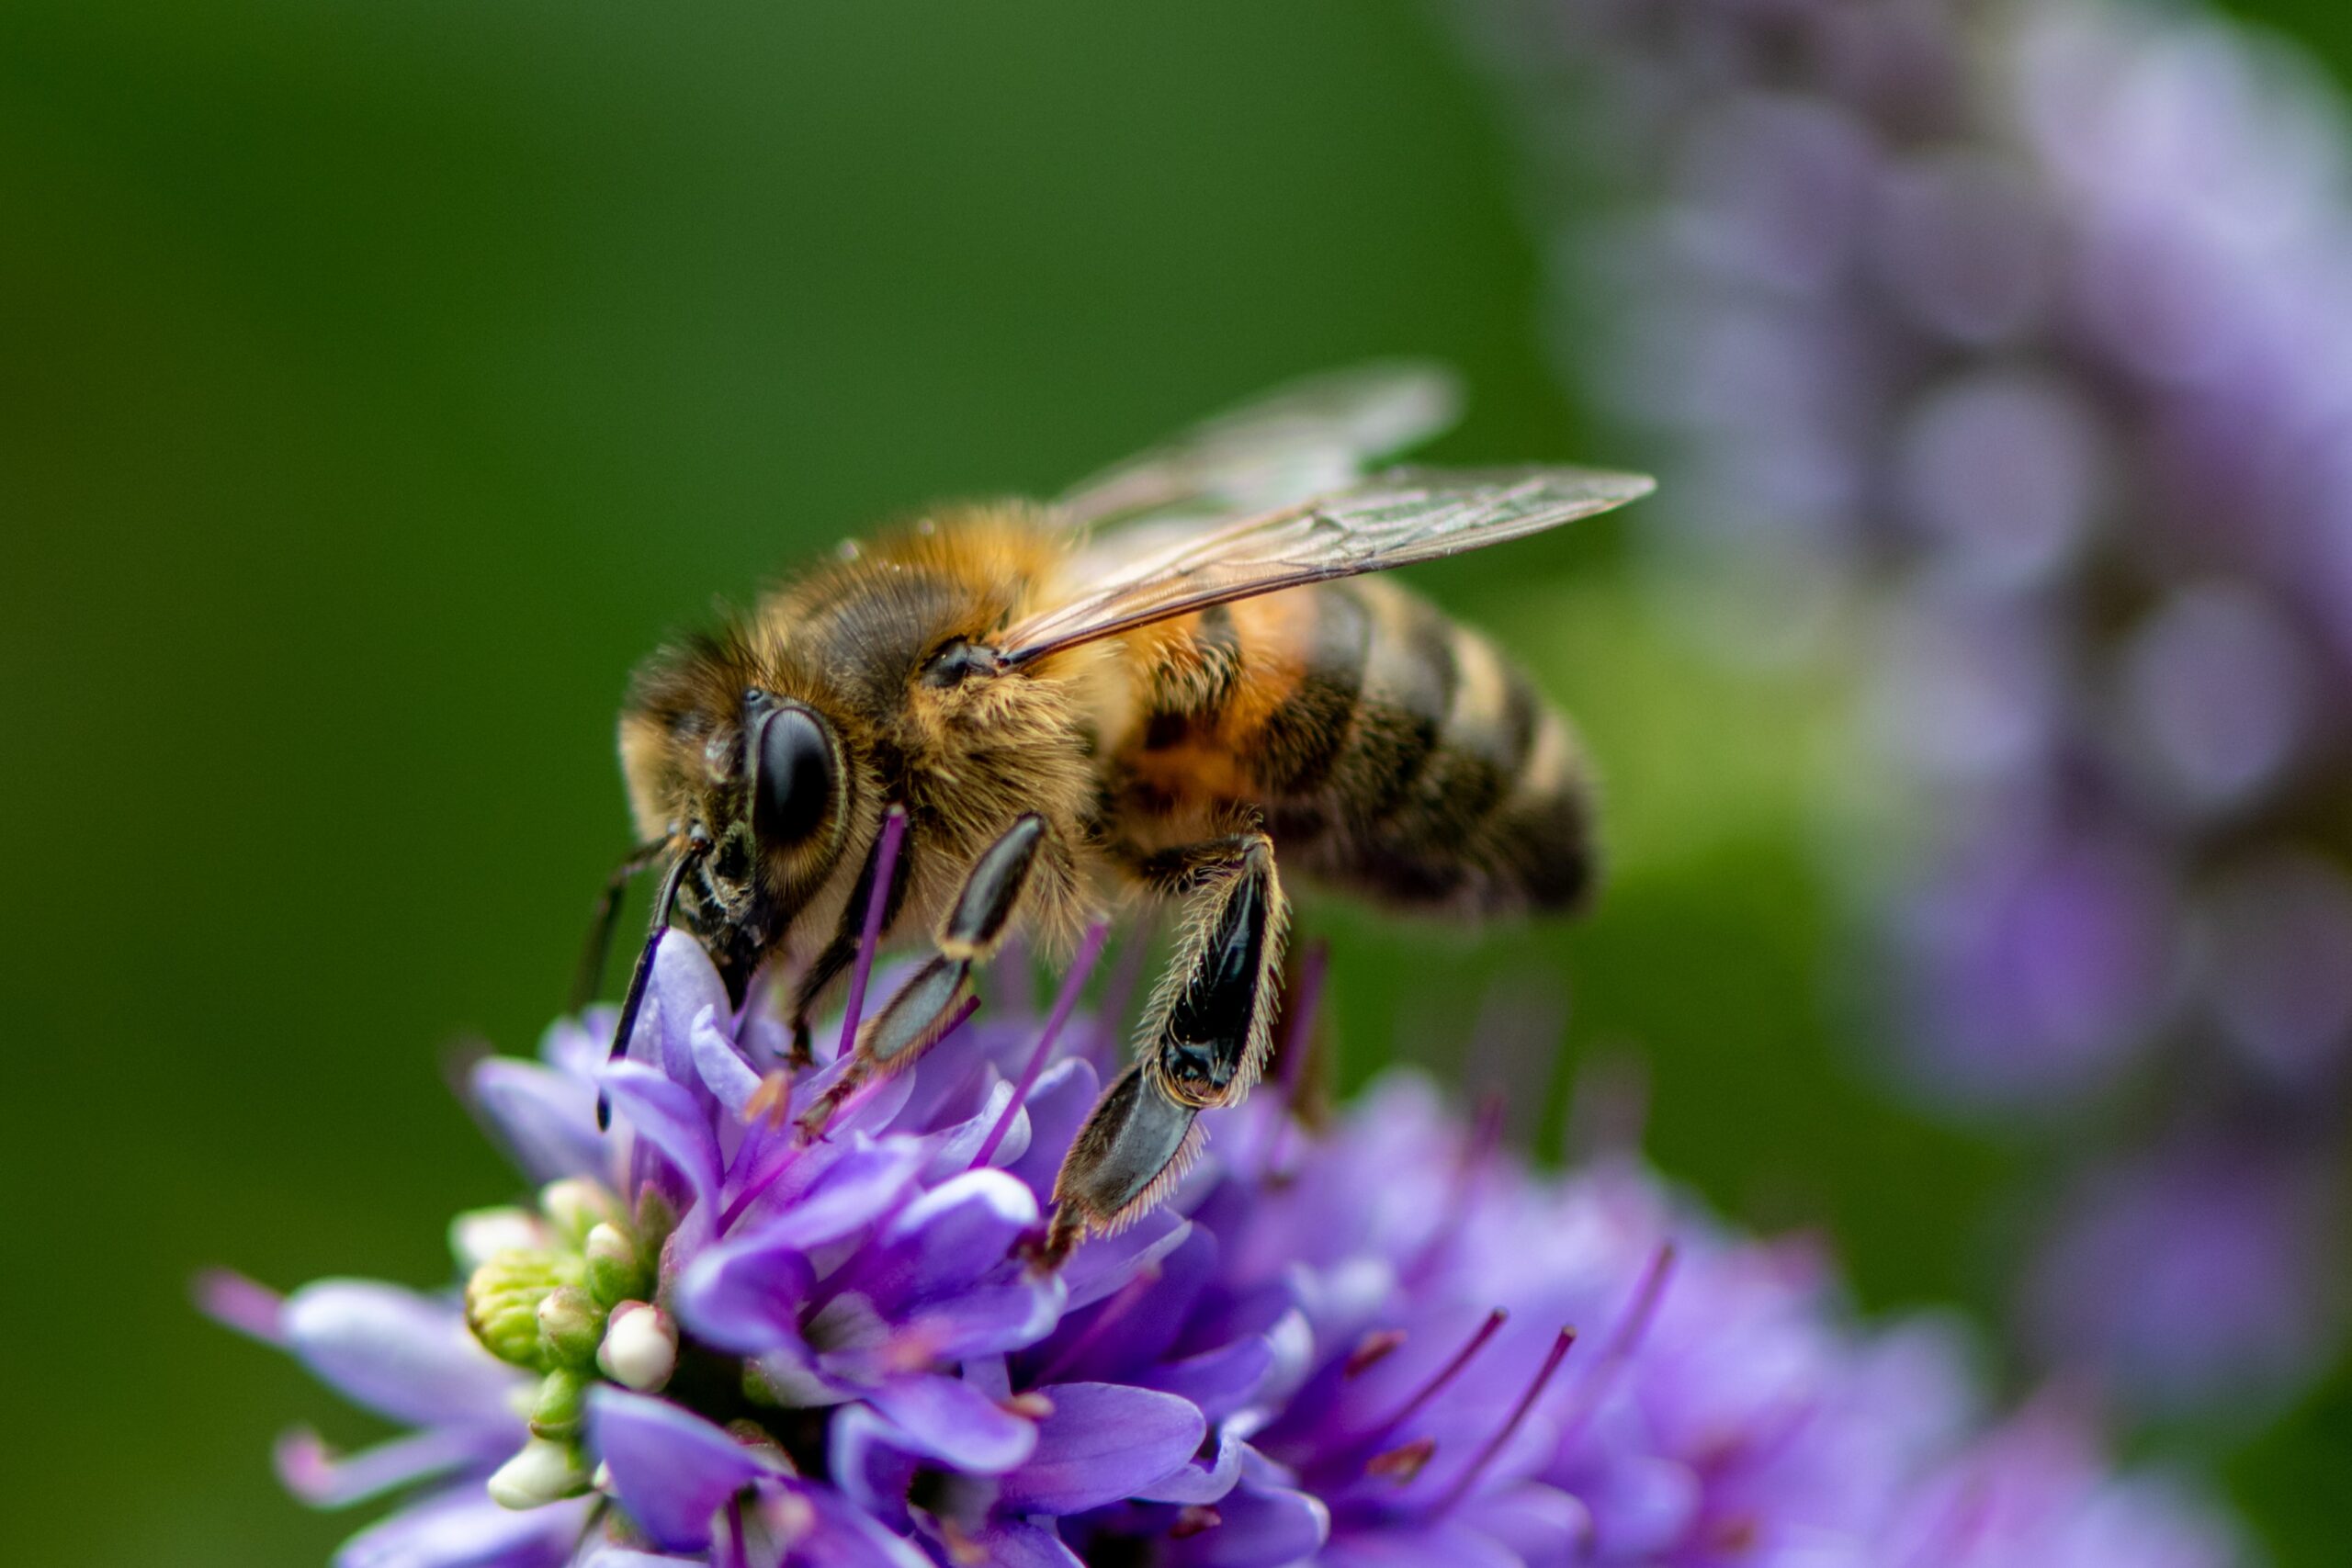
x: 924, y: 1006
x: 1205, y: 1039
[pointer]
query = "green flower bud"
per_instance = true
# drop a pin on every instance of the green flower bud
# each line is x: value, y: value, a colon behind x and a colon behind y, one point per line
x: 542, y: 1471
x: 569, y: 1326
x: 562, y: 1404
x: 655, y: 1221
x: 617, y: 1271
x: 502, y: 1301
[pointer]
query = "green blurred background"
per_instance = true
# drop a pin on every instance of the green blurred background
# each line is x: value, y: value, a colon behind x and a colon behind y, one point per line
x: 378, y: 383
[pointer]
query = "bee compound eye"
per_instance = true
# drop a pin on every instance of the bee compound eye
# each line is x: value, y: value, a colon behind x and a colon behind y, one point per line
x: 794, y: 787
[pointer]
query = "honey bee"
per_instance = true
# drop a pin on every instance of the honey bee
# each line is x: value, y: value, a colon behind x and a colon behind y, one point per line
x: 1162, y: 685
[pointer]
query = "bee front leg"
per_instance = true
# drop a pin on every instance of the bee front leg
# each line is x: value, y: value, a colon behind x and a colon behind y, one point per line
x: 924, y: 1005
x: 1205, y: 1039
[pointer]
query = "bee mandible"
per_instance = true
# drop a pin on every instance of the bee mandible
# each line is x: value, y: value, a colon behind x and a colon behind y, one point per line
x: 1175, y: 683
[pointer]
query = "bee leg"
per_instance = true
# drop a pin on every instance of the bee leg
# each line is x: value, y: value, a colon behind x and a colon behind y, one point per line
x: 924, y: 1003
x: 836, y: 956
x: 1205, y: 1039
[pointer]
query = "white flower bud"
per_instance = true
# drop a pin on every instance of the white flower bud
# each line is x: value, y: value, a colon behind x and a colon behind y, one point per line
x: 541, y: 1472
x: 640, y: 1347
x: 573, y: 1206
x: 480, y: 1234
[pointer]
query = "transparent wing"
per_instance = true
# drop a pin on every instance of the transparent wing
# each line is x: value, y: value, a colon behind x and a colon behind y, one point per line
x: 1302, y: 439
x: 1393, y: 519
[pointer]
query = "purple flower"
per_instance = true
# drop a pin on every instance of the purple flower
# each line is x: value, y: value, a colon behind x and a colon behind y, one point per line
x: 712, y: 1340
x: 1997, y: 355
x: 410, y: 1358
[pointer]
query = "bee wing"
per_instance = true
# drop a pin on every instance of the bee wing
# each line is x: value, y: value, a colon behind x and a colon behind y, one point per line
x: 1393, y: 519
x: 1302, y: 439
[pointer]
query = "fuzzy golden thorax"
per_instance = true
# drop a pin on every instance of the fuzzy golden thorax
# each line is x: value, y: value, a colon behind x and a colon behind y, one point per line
x: 873, y: 645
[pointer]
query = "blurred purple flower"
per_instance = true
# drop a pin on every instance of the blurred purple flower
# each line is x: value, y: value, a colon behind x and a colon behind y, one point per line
x: 1998, y: 353
x: 711, y: 1342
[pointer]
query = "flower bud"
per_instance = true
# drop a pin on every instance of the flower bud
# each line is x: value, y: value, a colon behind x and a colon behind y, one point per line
x: 616, y: 1271
x: 573, y: 1206
x: 502, y: 1301
x: 569, y: 1326
x: 479, y: 1235
x: 655, y: 1219
x: 640, y: 1347
x: 561, y: 1403
x: 541, y: 1472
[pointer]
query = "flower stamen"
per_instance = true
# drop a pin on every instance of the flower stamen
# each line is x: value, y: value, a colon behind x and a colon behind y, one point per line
x: 1622, y: 1342
x: 1446, y: 1373
x: 1064, y: 1003
x: 885, y: 865
x: 1463, y: 1482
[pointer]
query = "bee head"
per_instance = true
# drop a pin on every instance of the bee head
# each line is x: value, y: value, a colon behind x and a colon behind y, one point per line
x: 756, y: 783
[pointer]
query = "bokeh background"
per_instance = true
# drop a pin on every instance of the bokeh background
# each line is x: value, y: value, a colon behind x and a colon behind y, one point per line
x: 376, y: 384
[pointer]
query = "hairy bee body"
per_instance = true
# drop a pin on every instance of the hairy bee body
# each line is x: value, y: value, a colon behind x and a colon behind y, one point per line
x: 1388, y: 751
x: 1013, y: 716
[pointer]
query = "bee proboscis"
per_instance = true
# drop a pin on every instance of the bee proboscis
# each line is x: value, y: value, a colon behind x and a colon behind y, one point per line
x: 1161, y: 686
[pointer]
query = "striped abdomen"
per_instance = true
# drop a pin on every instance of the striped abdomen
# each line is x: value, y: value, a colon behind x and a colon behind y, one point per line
x: 1390, y: 749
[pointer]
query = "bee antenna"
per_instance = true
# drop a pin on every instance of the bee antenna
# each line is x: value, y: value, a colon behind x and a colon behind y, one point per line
x: 633, y: 999
x: 590, y: 977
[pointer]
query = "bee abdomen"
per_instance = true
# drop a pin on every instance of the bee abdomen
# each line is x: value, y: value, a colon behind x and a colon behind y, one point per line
x: 1410, y: 759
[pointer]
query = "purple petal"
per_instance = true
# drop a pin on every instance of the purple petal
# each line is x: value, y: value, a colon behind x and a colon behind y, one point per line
x: 1056, y: 1109
x: 671, y: 1470
x: 746, y: 1296
x: 988, y: 1320
x: 869, y: 1461
x: 546, y: 1119
x: 1015, y: 1543
x: 1201, y: 1481
x: 402, y: 1355
x: 1445, y: 1541
x: 719, y: 1065
x: 1150, y: 1316
x: 960, y: 1231
x: 1221, y: 1381
x: 857, y: 1187
x: 873, y: 1109
x: 841, y: 1537
x: 252, y: 1309
x: 953, y: 1147
x: 685, y: 985
x: 1262, y: 1526
x: 463, y: 1528
x: 1103, y: 1264
x: 1641, y: 1504
x: 948, y: 1419
x: 312, y: 1471
x: 666, y: 1116
x: 1101, y: 1443
x: 1547, y: 1528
